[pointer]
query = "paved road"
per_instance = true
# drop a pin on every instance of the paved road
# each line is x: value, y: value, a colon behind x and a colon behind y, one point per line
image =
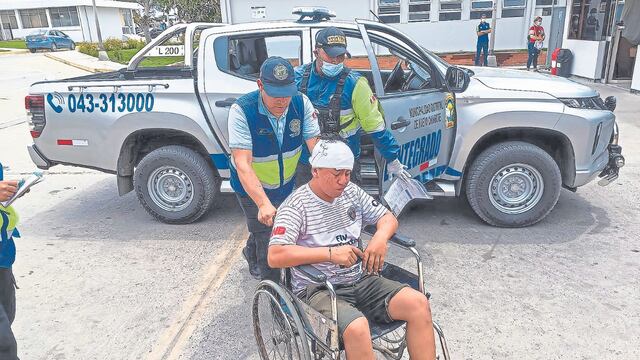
x: 100, y: 279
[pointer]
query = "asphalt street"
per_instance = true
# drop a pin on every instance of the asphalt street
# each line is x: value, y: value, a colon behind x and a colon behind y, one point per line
x: 100, y: 279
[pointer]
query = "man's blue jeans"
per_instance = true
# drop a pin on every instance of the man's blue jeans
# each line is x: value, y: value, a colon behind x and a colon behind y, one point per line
x: 484, y: 47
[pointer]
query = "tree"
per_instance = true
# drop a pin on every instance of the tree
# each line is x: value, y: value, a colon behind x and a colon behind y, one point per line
x: 193, y: 10
x: 199, y: 10
x: 145, y: 19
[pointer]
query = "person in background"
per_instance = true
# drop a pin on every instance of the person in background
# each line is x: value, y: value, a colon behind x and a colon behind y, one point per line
x: 482, y: 30
x: 8, y: 231
x: 535, y: 40
x: 267, y: 130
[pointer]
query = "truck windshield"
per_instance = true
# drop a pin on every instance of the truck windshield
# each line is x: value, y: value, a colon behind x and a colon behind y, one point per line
x: 440, y: 64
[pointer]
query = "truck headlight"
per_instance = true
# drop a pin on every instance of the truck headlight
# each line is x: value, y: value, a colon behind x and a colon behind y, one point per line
x: 610, y: 103
x: 592, y: 103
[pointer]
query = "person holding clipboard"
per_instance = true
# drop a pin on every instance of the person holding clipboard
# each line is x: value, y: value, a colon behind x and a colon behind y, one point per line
x: 10, y: 190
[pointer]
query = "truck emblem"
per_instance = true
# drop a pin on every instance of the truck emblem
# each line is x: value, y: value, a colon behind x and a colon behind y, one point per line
x: 450, y: 112
x: 294, y: 126
x: 280, y: 72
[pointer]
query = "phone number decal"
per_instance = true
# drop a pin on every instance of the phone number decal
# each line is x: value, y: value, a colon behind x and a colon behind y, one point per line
x: 89, y: 103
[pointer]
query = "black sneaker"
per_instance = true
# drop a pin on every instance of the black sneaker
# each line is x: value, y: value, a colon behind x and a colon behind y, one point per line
x: 253, y: 266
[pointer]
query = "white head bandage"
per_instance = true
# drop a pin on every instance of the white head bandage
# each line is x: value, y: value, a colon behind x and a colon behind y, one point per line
x: 331, y: 154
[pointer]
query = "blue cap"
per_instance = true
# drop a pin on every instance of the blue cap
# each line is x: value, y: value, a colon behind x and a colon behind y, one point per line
x: 277, y: 77
x: 332, y: 40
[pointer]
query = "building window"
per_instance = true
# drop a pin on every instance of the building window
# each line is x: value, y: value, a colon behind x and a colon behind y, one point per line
x: 389, y: 11
x: 543, y: 7
x: 8, y: 18
x: 450, y: 10
x: 419, y: 10
x: 590, y: 19
x: 127, y: 21
x: 481, y: 7
x: 513, y: 8
x: 64, y: 16
x: 34, y: 18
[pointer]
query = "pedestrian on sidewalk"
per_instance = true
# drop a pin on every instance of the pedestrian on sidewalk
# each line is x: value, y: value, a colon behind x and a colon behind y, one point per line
x: 8, y: 221
x: 535, y: 40
x: 482, y: 30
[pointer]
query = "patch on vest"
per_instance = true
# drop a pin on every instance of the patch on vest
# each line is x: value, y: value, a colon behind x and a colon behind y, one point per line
x: 280, y: 72
x: 352, y: 212
x: 294, y: 126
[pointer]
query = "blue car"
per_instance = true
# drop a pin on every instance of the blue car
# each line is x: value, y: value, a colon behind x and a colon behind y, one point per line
x: 49, y: 39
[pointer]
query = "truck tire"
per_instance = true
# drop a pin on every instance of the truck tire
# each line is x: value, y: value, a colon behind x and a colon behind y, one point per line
x: 175, y: 184
x: 513, y: 184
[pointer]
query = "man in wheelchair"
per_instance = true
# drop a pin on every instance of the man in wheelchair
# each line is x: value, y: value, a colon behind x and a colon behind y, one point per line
x: 321, y: 224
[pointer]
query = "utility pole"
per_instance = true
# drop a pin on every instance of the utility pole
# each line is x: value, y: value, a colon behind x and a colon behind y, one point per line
x: 102, y: 54
x: 491, y: 59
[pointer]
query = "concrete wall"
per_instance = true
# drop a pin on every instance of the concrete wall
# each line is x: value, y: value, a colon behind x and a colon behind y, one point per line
x: 240, y: 10
x: 635, y: 82
x: 445, y: 36
x: 588, y: 57
x: 110, y: 23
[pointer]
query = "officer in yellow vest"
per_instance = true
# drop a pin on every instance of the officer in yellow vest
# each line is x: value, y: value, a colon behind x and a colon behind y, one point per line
x: 8, y: 222
x: 267, y: 130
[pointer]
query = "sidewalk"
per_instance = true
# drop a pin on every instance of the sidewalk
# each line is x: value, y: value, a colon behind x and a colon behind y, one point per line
x: 12, y: 51
x: 84, y: 62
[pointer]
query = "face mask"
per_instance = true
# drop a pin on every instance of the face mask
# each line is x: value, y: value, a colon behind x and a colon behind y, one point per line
x: 331, y: 70
x: 537, y: 23
x: 482, y: 20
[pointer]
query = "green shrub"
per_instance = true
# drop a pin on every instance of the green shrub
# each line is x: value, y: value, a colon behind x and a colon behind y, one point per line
x: 113, y: 44
x: 134, y: 44
x: 88, y: 48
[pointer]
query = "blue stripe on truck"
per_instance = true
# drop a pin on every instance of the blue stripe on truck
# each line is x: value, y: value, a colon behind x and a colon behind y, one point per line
x: 220, y: 161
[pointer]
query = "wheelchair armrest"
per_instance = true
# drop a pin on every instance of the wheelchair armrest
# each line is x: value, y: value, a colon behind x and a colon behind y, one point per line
x: 397, y: 239
x: 312, y: 273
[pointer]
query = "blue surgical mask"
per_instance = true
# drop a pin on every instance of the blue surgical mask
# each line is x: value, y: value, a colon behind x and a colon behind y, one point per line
x: 331, y: 70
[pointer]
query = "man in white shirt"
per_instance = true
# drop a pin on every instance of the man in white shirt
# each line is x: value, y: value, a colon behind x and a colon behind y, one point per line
x: 320, y: 224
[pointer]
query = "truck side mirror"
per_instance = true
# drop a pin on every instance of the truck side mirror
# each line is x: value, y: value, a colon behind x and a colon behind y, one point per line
x: 457, y: 79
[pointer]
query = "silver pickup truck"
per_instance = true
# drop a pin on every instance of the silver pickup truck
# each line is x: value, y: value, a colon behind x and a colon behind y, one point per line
x: 509, y: 142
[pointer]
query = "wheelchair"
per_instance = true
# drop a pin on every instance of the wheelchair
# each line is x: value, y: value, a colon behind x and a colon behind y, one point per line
x: 287, y: 328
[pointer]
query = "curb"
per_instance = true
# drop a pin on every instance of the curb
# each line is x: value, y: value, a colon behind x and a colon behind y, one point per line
x: 13, y: 51
x: 76, y: 65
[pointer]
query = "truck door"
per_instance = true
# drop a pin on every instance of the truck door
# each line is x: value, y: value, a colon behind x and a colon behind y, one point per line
x: 234, y: 69
x: 419, y: 111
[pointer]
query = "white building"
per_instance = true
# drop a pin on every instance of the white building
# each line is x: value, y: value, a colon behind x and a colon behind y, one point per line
x: 440, y: 25
x: 600, y: 53
x: 73, y: 17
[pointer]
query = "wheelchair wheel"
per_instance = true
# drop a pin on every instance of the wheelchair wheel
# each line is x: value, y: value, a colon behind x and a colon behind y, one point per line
x: 277, y: 327
x: 393, y: 344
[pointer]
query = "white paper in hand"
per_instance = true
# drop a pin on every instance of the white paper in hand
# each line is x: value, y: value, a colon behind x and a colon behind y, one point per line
x: 35, y: 178
x: 402, y: 191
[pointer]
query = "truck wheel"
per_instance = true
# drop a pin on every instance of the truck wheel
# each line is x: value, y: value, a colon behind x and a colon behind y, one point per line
x: 513, y: 184
x: 175, y: 184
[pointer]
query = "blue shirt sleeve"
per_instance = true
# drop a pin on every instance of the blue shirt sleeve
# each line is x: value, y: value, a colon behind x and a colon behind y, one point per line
x: 239, y: 134
x: 386, y: 144
x: 310, y: 126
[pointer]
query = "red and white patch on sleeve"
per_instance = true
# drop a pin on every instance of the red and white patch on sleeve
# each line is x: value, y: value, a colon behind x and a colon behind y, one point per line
x: 279, y: 230
x: 373, y: 98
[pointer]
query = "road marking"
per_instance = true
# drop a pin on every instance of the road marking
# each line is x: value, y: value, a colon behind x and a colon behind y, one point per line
x: 175, y: 338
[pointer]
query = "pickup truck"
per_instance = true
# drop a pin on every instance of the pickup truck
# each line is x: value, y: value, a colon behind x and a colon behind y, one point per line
x: 509, y: 142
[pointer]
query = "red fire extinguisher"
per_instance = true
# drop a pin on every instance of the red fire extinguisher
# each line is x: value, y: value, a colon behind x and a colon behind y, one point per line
x: 554, y: 61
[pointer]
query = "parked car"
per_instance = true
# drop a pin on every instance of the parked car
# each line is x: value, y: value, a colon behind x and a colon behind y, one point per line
x: 509, y: 143
x: 49, y: 39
